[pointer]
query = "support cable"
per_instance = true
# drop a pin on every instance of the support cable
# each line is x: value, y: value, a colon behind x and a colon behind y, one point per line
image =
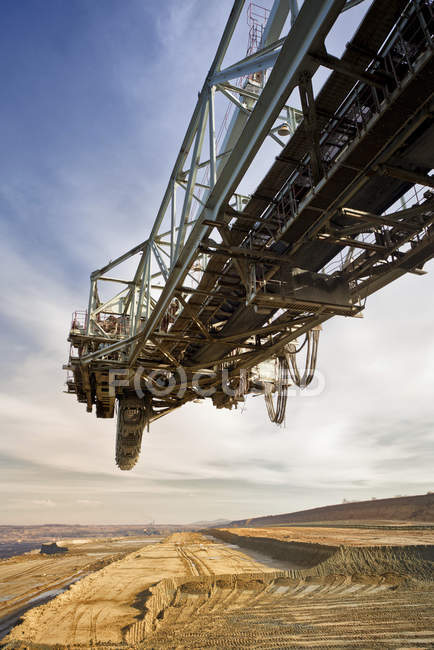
x: 312, y: 340
x: 277, y: 413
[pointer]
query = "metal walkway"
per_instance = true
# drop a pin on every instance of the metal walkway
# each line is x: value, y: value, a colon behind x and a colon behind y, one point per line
x: 226, y: 282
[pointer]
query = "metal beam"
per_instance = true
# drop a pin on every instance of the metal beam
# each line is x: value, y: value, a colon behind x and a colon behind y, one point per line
x: 179, y: 337
x: 212, y: 138
x: 109, y: 349
x: 234, y: 100
x: 348, y: 69
x: 163, y: 268
x: 145, y: 266
x: 311, y: 126
x: 241, y: 252
x: 351, y: 3
x: 122, y: 258
x: 228, y: 242
x: 119, y: 281
x: 163, y: 349
x: 414, y: 211
x: 199, y: 323
x: 352, y: 243
x: 240, y: 91
x: 277, y: 18
x: 195, y: 159
x: 247, y: 111
x: 183, y: 175
x: 91, y: 302
x: 294, y: 10
x: 262, y: 331
x: 109, y: 302
x: 406, y: 175
x: 172, y: 225
x: 383, y: 220
x: 253, y: 63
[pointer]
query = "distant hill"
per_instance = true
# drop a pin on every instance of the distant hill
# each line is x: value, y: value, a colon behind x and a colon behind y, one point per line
x: 49, y: 532
x: 210, y: 524
x: 412, y: 509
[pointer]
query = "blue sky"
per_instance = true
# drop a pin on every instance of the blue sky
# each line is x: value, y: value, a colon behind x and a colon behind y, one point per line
x: 96, y: 96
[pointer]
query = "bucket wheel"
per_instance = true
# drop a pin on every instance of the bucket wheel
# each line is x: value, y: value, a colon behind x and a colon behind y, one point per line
x: 133, y: 415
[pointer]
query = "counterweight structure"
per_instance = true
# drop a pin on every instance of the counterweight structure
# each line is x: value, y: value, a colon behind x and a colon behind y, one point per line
x: 229, y: 290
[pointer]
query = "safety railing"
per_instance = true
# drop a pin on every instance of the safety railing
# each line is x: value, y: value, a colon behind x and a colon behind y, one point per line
x: 79, y: 322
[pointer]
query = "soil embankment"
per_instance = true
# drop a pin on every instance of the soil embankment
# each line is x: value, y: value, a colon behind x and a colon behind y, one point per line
x: 388, y: 553
x: 301, y: 554
x: 189, y: 592
x: 409, y: 509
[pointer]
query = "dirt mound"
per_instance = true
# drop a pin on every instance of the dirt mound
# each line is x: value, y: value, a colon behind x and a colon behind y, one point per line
x: 185, y: 538
x: 403, y: 509
x: 182, y: 598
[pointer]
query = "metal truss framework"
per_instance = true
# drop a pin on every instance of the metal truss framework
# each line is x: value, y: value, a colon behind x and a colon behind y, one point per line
x: 183, y: 280
x: 178, y: 227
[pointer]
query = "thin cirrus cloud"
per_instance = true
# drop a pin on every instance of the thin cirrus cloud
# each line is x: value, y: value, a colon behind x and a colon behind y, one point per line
x: 96, y: 100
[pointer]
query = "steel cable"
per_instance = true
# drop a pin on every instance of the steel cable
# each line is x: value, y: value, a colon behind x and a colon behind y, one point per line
x: 277, y: 413
x: 312, y: 339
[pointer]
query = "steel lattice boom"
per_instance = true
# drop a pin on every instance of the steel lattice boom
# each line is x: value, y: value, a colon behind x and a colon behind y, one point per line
x: 226, y: 284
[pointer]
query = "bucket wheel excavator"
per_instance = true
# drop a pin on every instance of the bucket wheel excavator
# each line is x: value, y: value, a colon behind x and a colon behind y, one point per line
x: 227, y: 295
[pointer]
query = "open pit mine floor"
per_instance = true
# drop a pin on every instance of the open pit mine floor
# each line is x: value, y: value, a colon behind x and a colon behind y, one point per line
x: 189, y: 591
x: 31, y: 579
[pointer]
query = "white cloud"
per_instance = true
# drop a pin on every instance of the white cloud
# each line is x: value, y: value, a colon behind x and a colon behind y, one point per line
x: 44, y: 503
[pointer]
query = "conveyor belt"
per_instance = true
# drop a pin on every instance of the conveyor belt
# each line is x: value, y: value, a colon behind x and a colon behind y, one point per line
x: 375, y: 195
x: 371, y: 33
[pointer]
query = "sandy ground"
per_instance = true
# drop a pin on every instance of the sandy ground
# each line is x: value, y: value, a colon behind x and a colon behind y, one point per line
x: 102, y: 605
x: 26, y: 578
x: 189, y: 592
x: 340, y: 612
x: 339, y: 536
